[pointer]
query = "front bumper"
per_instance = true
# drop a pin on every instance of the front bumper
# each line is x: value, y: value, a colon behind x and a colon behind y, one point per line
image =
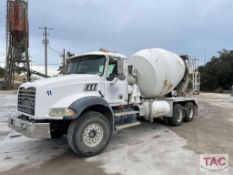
x: 30, y: 129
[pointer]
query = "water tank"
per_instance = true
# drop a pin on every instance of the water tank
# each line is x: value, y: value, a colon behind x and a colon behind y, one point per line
x: 158, y: 71
x: 18, y: 20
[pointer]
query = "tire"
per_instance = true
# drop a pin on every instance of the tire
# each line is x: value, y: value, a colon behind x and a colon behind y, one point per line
x: 188, y: 112
x: 90, y: 134
x: 178, y: 115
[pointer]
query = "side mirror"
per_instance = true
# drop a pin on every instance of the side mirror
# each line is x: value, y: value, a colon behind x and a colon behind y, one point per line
x: 120, y: 68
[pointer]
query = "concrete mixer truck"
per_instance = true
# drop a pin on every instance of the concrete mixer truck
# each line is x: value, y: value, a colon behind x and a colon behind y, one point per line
x: 104, y: 92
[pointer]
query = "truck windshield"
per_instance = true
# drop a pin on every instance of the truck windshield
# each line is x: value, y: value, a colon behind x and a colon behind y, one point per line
x: 93, y: 64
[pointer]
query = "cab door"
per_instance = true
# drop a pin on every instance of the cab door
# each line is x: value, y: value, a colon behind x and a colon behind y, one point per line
x: 116, y: 82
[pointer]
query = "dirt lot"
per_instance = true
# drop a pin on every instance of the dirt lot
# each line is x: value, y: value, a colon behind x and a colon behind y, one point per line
x: 149, y: 149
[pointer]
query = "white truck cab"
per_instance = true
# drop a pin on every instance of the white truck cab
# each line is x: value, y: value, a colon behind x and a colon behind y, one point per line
x: 99, y: 94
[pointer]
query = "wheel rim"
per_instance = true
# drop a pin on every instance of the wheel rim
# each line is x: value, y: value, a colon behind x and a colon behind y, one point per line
x: 190, y: 113
x: 180, y: 116
x: 93, y: 134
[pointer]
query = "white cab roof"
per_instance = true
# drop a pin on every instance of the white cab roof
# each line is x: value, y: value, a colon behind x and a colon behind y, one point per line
x: 99, y: 53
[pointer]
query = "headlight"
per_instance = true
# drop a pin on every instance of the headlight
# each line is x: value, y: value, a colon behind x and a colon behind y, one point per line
x: 60, y: 112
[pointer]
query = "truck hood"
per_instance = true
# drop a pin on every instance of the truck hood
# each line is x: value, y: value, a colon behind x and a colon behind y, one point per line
x: 65, y: 80
x: 59, y: 92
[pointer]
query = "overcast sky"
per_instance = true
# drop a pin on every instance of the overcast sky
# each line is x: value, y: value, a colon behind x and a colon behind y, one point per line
x: 183, y: 26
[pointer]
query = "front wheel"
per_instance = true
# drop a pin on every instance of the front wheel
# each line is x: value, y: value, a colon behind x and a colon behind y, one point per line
x: 89, y: 135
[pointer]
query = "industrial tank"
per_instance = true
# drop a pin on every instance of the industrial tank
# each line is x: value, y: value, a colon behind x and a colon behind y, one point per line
x: 18, y: 21
x: 158, y: 71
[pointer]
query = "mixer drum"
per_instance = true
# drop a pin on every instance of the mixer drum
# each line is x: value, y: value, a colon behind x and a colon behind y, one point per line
x: 158, y: 71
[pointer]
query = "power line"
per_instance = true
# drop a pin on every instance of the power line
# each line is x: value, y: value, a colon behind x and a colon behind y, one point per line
x: 54, y: 50
x: 50, y: 64
x: 78, y: 11
x: 66, y: 12
x: 48, y: 11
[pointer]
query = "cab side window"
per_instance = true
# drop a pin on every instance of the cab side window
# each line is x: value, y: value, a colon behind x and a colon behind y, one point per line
x: 112, y: 71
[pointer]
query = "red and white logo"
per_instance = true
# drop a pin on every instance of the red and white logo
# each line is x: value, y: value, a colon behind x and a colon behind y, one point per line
x: 214, y: 163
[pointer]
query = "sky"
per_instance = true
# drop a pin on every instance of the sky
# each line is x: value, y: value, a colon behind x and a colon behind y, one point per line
x: 126, y: 26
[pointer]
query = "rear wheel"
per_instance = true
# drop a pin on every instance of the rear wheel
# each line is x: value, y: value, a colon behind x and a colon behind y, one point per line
x: 89, y: 135
x: 178, y: 115
x: 188, y: 112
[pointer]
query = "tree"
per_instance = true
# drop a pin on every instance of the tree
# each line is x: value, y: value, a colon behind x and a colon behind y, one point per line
x: 1, y: 72
x: 218, y: 72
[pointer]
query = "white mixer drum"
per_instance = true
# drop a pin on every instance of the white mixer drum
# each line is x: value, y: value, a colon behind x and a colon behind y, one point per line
x: 158, y: 71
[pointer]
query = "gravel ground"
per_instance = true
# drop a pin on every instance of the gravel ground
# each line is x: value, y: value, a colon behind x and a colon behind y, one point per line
x: 149, y: 149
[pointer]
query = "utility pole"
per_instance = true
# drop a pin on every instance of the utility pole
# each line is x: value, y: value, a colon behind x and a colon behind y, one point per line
x: 45, y: 42
x: 205, y: 57
x: 64, y: 61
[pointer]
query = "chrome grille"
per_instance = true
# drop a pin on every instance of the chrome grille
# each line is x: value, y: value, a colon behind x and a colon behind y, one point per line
x: 26, y: 100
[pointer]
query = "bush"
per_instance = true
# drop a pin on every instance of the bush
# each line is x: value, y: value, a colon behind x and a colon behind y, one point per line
x: 1, y: 72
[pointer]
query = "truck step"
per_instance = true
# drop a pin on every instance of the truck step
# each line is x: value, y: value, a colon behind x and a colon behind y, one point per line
x: 127, y: 126
x: 125, y: 113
